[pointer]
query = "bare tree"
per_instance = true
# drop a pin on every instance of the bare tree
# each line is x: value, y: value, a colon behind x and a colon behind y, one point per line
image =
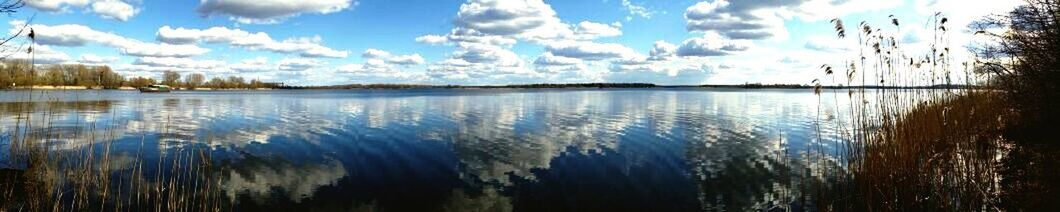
x: 171, y: 78
x: 1024, y: 58
x: 9, y: 7
x: 194, y: 80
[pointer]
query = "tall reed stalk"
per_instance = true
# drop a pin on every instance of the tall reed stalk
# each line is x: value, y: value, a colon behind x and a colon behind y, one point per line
x: 916, y: 149
x: 57, y: 169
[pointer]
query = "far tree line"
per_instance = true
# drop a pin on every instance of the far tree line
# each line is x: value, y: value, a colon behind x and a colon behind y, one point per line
x: 20, y: 74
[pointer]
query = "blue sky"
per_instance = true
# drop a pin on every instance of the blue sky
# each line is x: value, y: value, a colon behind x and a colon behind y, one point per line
x: 322, y: 42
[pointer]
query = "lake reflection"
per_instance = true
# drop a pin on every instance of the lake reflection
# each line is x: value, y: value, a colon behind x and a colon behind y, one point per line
x: 468, y: 150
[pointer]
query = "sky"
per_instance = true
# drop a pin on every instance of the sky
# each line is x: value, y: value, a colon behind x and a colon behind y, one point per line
x: 484, y: 42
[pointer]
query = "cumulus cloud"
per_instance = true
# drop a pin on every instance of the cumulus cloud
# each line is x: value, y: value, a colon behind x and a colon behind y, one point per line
x: 828, y: 45
x: 140, y: 49
x: 590, y: 30
x: 383, y: 69
x: 305, y: 46
x: 79, y: 35
x: 383, y: 65
x: 756, y: 20
x: 96, y: 59
x: 587, y: 50
x: 55, y: 5
x: 739, y: 19
x: 413, y: 59
x: 269, y: 11
x: 485, y: 31
x: 711, y: 45
x: 487, y: 54
x: 478, y: 61
x: 663, y: 50
x: 114, y: 9
x: 110, y: 9
x: 375, y: 53
x: 299, y: 64
x: 461, y: 35
x: 682, y: 71
x: 636, y: 10
x: 42, y: 55
x: 530, y: 20
x: 388, y: 58
x: 547, y: 59
x: 552, y: 63
x: 179, y: 63
x: 506, y: 17
x: 258, y: 64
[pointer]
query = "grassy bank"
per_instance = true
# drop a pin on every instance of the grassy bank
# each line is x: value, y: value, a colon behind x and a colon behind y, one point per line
x: 963, y: 149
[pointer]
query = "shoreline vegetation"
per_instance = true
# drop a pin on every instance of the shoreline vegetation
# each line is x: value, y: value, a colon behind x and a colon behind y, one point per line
x: 966, y: 149
x: 18, y: 75
x: 987, y: 147
x: 621, y: 85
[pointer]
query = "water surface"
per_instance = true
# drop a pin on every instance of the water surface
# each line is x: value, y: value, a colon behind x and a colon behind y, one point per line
x: 463, y: 150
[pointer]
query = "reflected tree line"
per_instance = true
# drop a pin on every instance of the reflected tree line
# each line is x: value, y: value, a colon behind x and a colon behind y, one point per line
x: 20, y: 74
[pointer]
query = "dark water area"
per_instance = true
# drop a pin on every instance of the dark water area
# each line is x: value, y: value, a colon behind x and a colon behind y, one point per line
x: 462, y: 150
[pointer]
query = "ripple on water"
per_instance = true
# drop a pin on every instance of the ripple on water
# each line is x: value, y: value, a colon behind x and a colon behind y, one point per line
x: 708, y: 149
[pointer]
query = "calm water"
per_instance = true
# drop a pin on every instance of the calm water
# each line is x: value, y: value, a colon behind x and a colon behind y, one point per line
x: 461, y: 150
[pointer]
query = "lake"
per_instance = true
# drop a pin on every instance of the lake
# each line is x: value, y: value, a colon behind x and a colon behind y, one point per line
x: 674, y: 149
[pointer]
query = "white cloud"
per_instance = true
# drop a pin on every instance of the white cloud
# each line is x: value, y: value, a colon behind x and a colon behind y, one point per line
x: 375, y: 53
x: 111, y: 9
x: 384, y: 65
x: 487, y: 54
x: 114, y: 9
x: 530, y: 20
x: 41, y: 55
x: 551, y: 63
x: 548, y: 59
x: 162, y: 50
x: 636, y: 10
x: 588, y: 50
x: 299, y: 64
x: 589, y: 30
x: 486, y: 30
x: 259, y: 64
x: 96, y: 59
x: 479, y: 61
x: 306, y: 46
x: 179, y: 64
x: 739, y: 19
x: 461, y: 35
x: 269, y: 11
x: 711, y: 44
x: 388, y: 58
x: 825, y: 44
x: 677, y: 70
x: 78, y: 35
x: 757, y: 20
x: 413, y: 59
x: 663, y: 50
x: 506, y: 17
x: 55, y: 5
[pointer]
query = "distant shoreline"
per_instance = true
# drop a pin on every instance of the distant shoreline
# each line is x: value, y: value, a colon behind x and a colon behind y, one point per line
x: 524, y: 86
x: 612, y: 85
x: 47, y: 87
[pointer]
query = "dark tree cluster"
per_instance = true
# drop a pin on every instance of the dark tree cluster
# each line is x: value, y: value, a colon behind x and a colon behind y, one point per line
x: 1025, y: 60
x: 20, y: 74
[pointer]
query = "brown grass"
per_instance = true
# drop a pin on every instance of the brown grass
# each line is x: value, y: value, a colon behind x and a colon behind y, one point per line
x: 94, y: 178
x: 918, y: 149
x: 940, y: 156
